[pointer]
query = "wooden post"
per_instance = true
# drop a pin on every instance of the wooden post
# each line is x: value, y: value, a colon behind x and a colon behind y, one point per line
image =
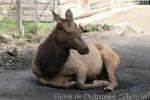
x: 113, y: 4
x: 19, y: 17
x: 56, y: 6
x: 85, y: 5
x: 36, y: 15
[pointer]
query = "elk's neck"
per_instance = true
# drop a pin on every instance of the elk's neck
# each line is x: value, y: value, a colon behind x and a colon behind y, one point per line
x: 51, y: 57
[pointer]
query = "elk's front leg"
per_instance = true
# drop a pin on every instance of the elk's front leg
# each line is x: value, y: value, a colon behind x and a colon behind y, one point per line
x: 81, y: 78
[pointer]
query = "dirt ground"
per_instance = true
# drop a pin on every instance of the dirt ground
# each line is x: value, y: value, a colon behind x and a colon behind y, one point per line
x: 18, y: 83
x: 133, y: 76
x: 138, y: 17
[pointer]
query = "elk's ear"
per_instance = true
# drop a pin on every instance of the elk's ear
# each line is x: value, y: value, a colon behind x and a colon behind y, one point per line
x: 69, y: 14
x: 57, y: 18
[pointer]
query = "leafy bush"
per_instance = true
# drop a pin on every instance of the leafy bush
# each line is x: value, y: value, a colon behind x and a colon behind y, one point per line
x: 96, y: 27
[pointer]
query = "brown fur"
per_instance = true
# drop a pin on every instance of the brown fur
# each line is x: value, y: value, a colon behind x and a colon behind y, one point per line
x: 58, y: 63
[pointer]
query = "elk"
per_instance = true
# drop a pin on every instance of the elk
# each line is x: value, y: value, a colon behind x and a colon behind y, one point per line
x: 66, y: 60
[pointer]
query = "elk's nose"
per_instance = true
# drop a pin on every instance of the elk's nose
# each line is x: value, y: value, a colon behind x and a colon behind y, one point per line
x: 85, y: 50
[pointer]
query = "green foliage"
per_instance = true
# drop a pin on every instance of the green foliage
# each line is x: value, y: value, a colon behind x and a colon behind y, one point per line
x: 96, y: 27
x: 30, y: 27
x: 42, y: 28
x: 32, y: 33
x: 107, y: 27
x: 8, y: 27
x: 45, y: 28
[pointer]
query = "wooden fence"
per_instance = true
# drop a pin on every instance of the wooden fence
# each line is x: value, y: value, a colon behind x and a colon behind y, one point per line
x: 40, y: 10
x: 27, y: 10
x: 83, y: 8
x: 30, y: 9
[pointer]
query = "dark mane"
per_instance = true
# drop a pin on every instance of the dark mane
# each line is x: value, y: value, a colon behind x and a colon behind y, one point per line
x: 51, y: 57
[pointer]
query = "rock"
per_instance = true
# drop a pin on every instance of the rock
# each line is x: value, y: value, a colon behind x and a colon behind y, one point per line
x: 8, y: 67
x: 126, y: 28
x: 85, y: 27
x: 119, y: 31
x: 1, y: 69
x: 5, y: 38
x: 90, y: 27
x: 32, y: 38
x: 137, y: 30
x: 1, y: 63
x: 14, y: 52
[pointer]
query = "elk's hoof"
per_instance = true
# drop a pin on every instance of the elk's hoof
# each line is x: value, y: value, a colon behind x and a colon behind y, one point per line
x: 108, y: 89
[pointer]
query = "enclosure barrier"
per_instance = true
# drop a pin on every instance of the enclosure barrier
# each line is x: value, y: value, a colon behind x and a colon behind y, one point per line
x: 40, y: 10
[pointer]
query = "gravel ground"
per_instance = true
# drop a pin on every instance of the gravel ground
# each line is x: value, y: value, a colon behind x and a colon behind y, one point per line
x: 18, y: 82
x: 138, y: 17
x: 133, y: 75
x: 21, y: 61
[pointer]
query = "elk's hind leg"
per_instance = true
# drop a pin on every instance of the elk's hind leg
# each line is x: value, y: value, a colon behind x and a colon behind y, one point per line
x: 112, y: 79
x: 65, y: 85
x: 111, y: 61
x: 111, y: 75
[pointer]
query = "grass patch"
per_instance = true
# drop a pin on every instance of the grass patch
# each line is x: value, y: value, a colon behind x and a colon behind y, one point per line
x: 9, y: 27
x: 42, y: 29
x: 45, y: 28
x: 30, y: 28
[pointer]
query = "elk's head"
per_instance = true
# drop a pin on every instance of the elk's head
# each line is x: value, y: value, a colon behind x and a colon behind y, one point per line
x: 69, y: 34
